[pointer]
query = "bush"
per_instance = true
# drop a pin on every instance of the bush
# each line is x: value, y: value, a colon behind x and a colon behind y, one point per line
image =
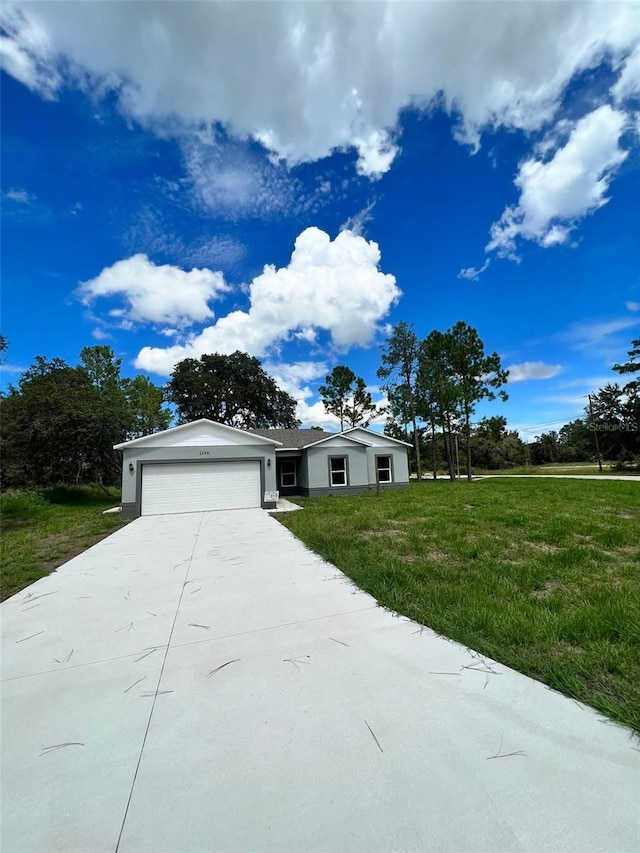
x: 77, y: 495
x: 18, y: 505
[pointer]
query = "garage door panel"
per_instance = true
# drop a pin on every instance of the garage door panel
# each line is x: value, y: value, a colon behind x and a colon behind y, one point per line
x: 200, y: 486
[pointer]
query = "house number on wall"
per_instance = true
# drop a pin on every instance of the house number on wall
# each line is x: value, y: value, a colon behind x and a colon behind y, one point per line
x: 204, y: 453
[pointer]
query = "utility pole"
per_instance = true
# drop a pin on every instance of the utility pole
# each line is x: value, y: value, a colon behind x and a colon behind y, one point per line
x: 595, y: 434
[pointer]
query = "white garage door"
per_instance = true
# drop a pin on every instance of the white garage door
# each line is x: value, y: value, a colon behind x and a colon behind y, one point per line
x: 199, y: 486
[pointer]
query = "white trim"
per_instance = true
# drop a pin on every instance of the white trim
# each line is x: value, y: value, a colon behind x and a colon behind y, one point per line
x: 154, y: 435
x: 337, y: 435
x: 377, y: 435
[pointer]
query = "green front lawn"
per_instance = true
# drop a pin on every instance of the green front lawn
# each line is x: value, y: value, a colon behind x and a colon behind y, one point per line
x: 42, y: 530
x: 542, y: 575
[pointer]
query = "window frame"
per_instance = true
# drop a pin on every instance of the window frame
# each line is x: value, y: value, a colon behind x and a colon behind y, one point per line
x: 293, y: 473
x: 344, y: 457
x: 388, y: 456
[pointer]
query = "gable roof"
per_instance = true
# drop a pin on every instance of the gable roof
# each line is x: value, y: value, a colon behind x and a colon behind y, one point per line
x: 154, y: 436
x: 293, y: 439
x: 378, y: 435
x: 341, y: 435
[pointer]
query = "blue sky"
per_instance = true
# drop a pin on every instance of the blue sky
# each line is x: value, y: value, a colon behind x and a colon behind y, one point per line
x: 289, y: 179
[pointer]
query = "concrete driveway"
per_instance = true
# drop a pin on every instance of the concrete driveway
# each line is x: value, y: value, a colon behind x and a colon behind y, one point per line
x: 202, y: 682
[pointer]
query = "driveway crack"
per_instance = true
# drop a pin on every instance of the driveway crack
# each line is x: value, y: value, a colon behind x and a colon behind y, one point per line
x: 157, y: 691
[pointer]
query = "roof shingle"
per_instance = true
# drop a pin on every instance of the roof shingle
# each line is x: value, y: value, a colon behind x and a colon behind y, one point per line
x: 293, y: 438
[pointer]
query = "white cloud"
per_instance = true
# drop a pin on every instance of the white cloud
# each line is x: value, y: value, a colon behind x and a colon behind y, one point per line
x: 532, y: 370
x: 310, y: 78
x: 153, y: 233
x: 586, y: 335
x: 587, y: 382
x: 231, y: 182
x: 19, y: 196
x: 100, y: 334
x: 356, y: 223
x: 328, y: 285
x: 632, y: 306
x: 376, y: 153
x: 555, y: 193
x: 26, y: 52
x: 473, y: 273
x: 628, y: 83
x: 164, y: 295
x: 12, y: 368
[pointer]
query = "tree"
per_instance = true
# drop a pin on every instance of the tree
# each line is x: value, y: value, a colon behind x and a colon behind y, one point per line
x: 101, y: 366
x: 336, y: 391
x: 400, y: 360
x: 231, y: 389
x: 4, y: 346
x: 616, y: 418
x: 495, y: 446
x: 55, y: 428
x: 438, y: 398
x: 631, y: 366
x: 144, y: 401
x: 478, y: 375
x: 361, y: 408
x: 575, y: 441
x: 545, y: 448
x: 345, y: 395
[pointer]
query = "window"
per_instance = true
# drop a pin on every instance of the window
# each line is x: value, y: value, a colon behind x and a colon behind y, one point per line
x: 287, y: 473
x: 383, y: 468
x: 338, y: 470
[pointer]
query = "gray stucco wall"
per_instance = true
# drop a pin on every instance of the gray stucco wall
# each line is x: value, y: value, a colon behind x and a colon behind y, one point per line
x: 399, y: 462
x: 138, y: 456
x: 318, y: 462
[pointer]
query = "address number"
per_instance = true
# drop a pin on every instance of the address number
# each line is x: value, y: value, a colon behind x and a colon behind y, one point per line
x: 204, y: 453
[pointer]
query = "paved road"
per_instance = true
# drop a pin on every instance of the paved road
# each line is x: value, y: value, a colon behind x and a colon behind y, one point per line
x: 628, y: 478
x: 202, y: 682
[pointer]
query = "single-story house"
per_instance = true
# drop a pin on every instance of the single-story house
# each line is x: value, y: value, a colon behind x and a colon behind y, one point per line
x: 205, y: 465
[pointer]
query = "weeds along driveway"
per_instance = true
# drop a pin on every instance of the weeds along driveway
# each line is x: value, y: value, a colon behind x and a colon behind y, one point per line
x: 204, y: 682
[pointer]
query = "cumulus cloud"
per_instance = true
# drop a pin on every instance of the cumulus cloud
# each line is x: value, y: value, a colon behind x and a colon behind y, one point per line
x: 163, y: 295
x: 307, y: 79
x: 555, y: 192
x: 532, y: 370
x: 334, y: 286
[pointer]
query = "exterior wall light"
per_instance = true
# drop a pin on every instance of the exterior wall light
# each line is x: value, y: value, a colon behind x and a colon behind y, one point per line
x: 268, y: 463
x: 131, y: 467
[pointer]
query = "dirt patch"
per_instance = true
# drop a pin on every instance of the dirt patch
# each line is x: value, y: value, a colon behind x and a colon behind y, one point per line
x: 68, y: 548
x: 540, y: 547
x: 548, y: 589
x: 392, y: 533
x: 562, y: 648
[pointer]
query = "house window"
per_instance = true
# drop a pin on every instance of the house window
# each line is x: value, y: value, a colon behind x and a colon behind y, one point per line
x: 287, y: 473
x: 338, y: 470
x: 383, y: 469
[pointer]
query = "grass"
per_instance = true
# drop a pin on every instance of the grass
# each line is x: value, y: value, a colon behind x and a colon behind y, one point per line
x: 574, y: 468
x: 42, y: 530
x: 542, y: 575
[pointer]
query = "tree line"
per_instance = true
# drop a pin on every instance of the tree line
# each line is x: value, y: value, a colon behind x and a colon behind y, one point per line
x: 609, y: 429
x: 432, y: 386
x: 60, y: 422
